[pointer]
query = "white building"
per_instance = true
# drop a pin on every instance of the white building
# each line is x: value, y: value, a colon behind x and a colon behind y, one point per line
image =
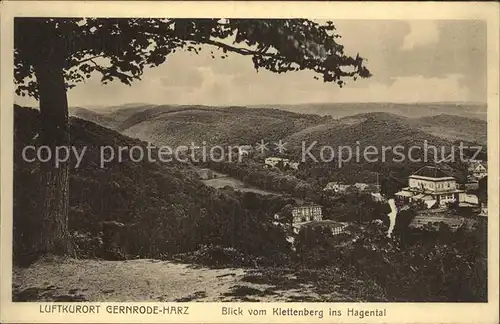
x: 432, y: 186
x: 274, y: 161
x: 335, y: 227
x: 306, y: 213
x: 467, y: 199
x: 366, y: 187
x: 336, y: 187
x: 294, y: 165
x: 478, y: 169
x: 471, y: 183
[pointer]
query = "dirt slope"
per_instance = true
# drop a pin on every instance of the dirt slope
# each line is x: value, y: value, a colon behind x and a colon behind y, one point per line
x: 145, y: 280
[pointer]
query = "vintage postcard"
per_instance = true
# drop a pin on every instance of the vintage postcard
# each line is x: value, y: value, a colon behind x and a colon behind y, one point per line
x: 249, y: 162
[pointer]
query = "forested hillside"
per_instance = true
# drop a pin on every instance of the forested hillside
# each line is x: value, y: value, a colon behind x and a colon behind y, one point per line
x: 214, y: 126
x: 163, y: 208
x: 454, y: 127
x: 181, y: 125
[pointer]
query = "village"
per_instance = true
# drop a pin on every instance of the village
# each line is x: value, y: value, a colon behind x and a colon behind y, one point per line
x: 435, y: 189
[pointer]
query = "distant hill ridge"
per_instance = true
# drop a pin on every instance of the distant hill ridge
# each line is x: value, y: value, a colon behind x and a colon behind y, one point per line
x: 183, y: 124
x: 414, y: 110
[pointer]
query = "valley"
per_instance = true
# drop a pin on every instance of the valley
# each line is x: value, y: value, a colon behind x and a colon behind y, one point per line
x: 231, y: 231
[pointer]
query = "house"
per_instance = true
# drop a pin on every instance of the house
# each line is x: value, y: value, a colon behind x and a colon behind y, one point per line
x: 366, y: 187
x: 306, y: 213
x: 472, y: 183
x: 336, y: 187
x: 335, y: 227
x: 478, y: 169
x: 294, y: 165
x: 468, y: 198
x: 274, y: 161
x: 430, y: 185
x: 339, y: 187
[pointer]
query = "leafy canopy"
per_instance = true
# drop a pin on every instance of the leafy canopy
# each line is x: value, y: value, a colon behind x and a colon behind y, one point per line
x: 122, y: 48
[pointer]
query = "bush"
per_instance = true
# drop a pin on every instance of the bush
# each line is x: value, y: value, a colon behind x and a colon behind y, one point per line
x: 216, y: 256
x: 87, y: 245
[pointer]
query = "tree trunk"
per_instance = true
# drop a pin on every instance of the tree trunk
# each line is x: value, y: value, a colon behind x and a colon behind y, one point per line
x: 54, y: 237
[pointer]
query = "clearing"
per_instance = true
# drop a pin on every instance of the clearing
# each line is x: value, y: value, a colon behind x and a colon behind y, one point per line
x: 153, y: 280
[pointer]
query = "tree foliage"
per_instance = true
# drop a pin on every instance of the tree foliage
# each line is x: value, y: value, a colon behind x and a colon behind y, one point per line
x: 442, y: 266
x: 121, y: 48
x: 52, y: 55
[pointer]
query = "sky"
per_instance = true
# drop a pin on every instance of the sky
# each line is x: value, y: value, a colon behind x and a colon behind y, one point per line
x: 411, y: 61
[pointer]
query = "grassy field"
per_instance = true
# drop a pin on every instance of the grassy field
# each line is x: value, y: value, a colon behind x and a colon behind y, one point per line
x: 223, y: 180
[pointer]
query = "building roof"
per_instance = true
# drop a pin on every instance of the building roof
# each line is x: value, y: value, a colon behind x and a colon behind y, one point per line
x: 475, y: 164
x: 326, y: 222
x: 366, y: 186
x: 431, y: 172
x: 276, y: 158
x: 423, y: 196
x: 307, y: 206
x: 330, y: 185
x: 430, y: 203
x: 404, y: 193
x: 481, y: 167
x: 466, y: 204
x: 472, y: 179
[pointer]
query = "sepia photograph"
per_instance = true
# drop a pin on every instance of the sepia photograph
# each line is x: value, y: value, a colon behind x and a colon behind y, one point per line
x: 284, y: 160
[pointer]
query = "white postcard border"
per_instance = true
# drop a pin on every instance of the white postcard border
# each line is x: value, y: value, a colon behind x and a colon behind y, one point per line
x: 211, y: 312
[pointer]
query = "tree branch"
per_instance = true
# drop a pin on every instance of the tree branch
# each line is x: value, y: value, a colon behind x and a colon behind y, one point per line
x: 238, y: 50
x: 88, y: 59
